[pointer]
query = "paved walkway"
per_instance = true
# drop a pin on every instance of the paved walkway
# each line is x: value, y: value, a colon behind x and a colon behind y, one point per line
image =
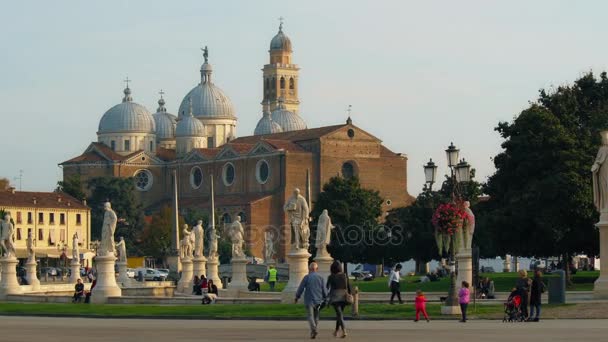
x: 61, y: 329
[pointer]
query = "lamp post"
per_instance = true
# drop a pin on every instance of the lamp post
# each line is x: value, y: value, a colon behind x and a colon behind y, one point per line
x: 459, y: 173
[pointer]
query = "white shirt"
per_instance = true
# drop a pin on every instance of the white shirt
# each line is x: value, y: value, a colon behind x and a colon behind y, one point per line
x: 395, y: 276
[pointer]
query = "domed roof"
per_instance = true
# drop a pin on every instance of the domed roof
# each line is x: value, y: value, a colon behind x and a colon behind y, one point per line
x: 289, y: 121
x: 189, y: 126
x: 208, y: 100
x: 267, y: 126
x: 127, y: 116
x: 165, y: 122
x: 280, y: 41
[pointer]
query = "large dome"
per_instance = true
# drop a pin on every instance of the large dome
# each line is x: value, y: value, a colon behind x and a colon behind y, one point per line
x: 127, y: 117
x: 280, y: 41
x: 267, y: 126
x: 208, y: 101
x: 165, y: 122
x: 189, y: 126
x: 289, y: 121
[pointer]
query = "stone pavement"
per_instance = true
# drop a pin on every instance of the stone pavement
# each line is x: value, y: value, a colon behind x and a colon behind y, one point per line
x: 65, y: 329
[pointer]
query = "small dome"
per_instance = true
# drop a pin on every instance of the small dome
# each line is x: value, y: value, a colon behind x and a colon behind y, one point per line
x: 189, y: 126
x: 280, y: 41
x: 165, y: 122
x: 127, y: 116
x: 267, y: 126
x: 289, y: 121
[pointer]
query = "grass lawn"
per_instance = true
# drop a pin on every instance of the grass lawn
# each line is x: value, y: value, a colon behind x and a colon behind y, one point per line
x: 224, y: 311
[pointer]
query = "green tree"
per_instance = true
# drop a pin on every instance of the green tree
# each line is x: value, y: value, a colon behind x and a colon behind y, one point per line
x: 156, y: 235
x: 72, y: 186
x: 4, y: 184
x: 121, y: 193
x: 355, y: 212
x: 541, y: 200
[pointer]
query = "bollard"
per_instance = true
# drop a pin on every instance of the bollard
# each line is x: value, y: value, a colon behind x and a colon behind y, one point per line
x: 355, y: 308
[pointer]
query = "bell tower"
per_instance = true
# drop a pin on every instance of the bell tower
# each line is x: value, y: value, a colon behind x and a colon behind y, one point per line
x: 280, y: 76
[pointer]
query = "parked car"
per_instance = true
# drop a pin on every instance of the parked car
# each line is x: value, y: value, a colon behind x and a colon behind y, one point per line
x: 362, y: 275
x: 150, y: 274
x: 164, y: 271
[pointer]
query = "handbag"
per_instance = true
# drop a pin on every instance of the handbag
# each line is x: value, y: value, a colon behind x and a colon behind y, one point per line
x: 349, y: 298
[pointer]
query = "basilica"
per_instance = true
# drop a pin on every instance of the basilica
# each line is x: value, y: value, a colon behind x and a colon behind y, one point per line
x: 252, y: 175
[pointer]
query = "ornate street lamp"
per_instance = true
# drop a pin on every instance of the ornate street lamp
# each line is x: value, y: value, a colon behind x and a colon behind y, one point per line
x: 462, y: 171
x: 430, y: 173
x: 452, y: 155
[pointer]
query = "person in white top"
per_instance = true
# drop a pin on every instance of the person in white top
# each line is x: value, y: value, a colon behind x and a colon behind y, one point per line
x: 393, y: 283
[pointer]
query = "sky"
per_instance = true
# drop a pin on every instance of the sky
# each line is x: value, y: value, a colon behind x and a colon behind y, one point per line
x: 418, y: 74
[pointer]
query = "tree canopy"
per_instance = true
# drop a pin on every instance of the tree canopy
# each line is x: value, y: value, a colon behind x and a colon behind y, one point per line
x: 72, y: 186
x: 4, y: 184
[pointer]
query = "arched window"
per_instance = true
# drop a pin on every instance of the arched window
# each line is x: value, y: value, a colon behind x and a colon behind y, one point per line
x: 273, y: 84
x: 267, y: 85
x: 226, y: 219
x: 282, y: 82
x: 243, y: 217
x: 228, y: 174
x: 292, y: 84
x: 196, y: 177
x: 348, y: 170
x: 262, y: 171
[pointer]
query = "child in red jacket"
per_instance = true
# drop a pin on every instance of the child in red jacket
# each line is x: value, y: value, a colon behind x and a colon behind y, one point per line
x: 420, y: 304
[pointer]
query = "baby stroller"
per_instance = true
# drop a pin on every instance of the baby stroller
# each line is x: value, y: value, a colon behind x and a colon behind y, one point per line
x: 513, y: 309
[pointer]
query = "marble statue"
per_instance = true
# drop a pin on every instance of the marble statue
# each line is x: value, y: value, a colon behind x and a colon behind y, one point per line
x: 600, y: 175
x: 469, y: 226
x: 213, y: 239
x: 186, y: 244
x: 29, y: 243
x: 268, y: 246
x: 298, y: 212
x: 6, y: 236
x: 121, y: 250
x: 199, y: 239
x: 106, y: 246
x: 323, y: 237
x: 237, y: 237
x: 75, y: 251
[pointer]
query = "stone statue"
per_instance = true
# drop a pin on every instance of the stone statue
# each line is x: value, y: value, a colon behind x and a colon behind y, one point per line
x: 75, y: 252
x: 600, y: 176
x: 213, y: 239
x: 106, y: 246
x: 187, y: 244
x: 237, y: 237
x: 29, y: 243
x: 121, y: 250
x: 6, y: 236
x: 469, y: 227
x: 323, y: 237
x: 268, y: 246
x: 298, y: 213
x: 205, y: 53
x: 199, y: 239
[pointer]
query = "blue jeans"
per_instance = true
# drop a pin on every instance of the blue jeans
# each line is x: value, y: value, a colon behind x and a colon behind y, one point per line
x: 537, y: 307
x: 313, y: 316
x: 463, y: 309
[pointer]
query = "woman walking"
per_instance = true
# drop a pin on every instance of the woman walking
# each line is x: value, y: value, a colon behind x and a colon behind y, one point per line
x: 464, y: 296
x: 339, y: 289
x: 537, y: 288
x: 393, y: 283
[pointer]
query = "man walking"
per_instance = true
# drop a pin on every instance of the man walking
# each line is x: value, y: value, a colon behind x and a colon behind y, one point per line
x: 313, y: 287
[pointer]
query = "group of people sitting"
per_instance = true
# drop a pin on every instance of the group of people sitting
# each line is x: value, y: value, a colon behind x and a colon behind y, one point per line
x: 206, y: 288
x: 486, y: 288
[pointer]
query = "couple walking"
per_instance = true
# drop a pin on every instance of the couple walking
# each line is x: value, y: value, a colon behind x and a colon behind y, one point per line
x: 314, y: 288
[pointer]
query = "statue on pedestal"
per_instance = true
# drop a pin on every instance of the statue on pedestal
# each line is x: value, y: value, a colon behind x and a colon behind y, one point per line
x: 75, y: 251
x: 187, y: 244
x: 213, y: 238
x: 121, y: 250
x: 237, y: 236
x: 106, y: 246
x: 199, y: 239
x: 298, y: 212
x: 468, y: 227
x: 6, y: 236
x: 268, y: 247
x: 600, y: 176
x: 29, y: 243
x: 323, y: 237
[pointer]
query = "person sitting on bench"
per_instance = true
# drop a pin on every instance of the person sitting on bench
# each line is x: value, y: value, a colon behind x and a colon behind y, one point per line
x: 87, y: 295
x: 78, y: 291
x: 211, y: 295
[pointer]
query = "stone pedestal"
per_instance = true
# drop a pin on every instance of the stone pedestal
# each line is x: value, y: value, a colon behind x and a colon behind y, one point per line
x: 515, y: 264
x: 213, y: 273
x: 324, y: 263
x: 174, y: 264
x: 9, y: 283
x: 238, y: 280
x: 451, y: 310
x: 600, y: 287
x: 31, y: 276
x: 506, y: 265
x: 298, y: 268
x: 106, y: 285
x: 185, y: 281
x: 198, y: 266
x: 464, y: 260
x: 74, y: 271
x: 123, y: 278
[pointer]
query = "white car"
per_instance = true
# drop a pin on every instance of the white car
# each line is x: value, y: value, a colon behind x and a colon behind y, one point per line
x: 131, y: 272
x: 150, y: 274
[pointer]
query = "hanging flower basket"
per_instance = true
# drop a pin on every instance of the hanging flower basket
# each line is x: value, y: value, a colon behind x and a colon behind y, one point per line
x: 448, y: 220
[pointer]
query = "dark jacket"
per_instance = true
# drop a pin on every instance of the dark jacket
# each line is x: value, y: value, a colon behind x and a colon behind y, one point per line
x: 536, y: 290
x: 338, y: 287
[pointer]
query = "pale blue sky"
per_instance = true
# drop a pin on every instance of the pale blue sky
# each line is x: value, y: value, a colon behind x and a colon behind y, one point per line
x: 418, y: 74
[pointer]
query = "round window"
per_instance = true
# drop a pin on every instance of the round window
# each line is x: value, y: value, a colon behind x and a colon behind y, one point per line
x: 262, y: 171
x: 143, y: 180
x: 228, y: 174
x: 351, y: 133
x: 196, y: 177
x: 348, y: 170
x: 389, y: 202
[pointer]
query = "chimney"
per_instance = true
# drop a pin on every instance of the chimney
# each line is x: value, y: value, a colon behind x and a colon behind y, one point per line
x: 84, y: 201
x: 34, y: 200
x: 59, y: 199
x: 12, y: 189
x: 69, y: 204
